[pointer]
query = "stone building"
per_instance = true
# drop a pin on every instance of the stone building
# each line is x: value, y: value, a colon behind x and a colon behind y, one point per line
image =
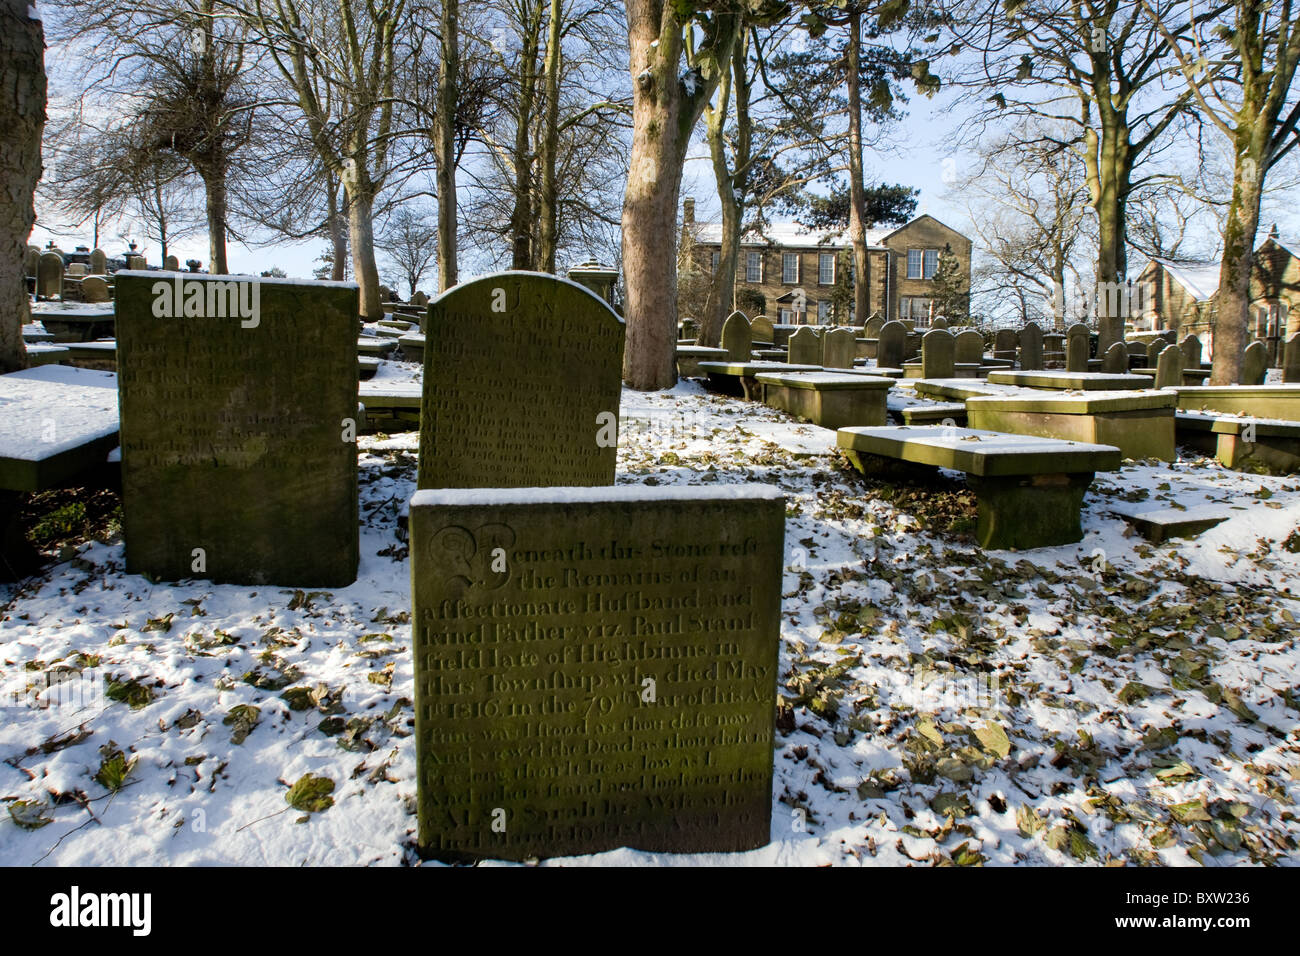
x: 797, y: 271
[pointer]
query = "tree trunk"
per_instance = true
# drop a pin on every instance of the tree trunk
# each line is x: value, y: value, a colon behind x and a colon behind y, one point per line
x: 857, y: 188
x: 338, y: 232
x: 22, y: 117
x: 444, y: 147
x: 521, y: 215
x: 214, y: 189
x: 547, y: 211
x: 364, y: 269
x: 1109, y: 172
x: 722, y: 284
x: 1232, y: 328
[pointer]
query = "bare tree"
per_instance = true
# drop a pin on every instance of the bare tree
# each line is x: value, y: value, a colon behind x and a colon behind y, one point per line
x: 411, y: 243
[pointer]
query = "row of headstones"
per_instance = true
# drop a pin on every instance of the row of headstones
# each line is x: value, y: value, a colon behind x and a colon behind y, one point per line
x: 240, y: 467
x: 48, y: 270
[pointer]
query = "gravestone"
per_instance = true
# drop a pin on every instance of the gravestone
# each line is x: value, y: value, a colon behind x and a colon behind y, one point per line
x: 892, y: 345
x: 805, y: 347
x: 172, y: 264
x: 1076, y: 348
x: 968, y: 347
x: 1115, y: 361
x: 839, y: 348
x: 1154, y: 348
x: 137, y: 263
x: 1191, y: 347
x: 1169, y: 367
x: 237, y: 465
x: 938, y: 322
x: 522, y: 379
x: 386, y: 294
x: 98, y: 263
x: 937, y: 354
x: 77, y: 269
x: 737, y: 338
x: 1291, y: 359
x: 1031, y: 348
x: 419, y: 299
x: 872, y: 329
x: 49, y: 276
x: 594, y: 669
x: 1004, y: 342
x: 94, y: 289
x: 32, y: 263
x: 1254, y: 364
x: 761, y: 330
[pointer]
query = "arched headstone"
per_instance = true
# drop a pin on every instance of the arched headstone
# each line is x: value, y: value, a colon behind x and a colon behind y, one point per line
x: 33, y: 261
x: 1154, y: 348
x: 1169, y: 367
x: 419, y: 299
x: 939, y: 322
x: 1191, y: 347
x: 49, y: 276
x: 737, y: 338
x: 892, y: 345
x: 1031, y: 348
x: 805, y: 347
x: 872, y: 329
x: 137, y: 263
x: 937, y: 354
x: 98, y: 263
x: 760, y: 330
x: 968, y: 348
x: 172, y: 264
x: 1115, y: 361
x: 1254, y: 364
x: 839, y: 348
x: 94, y: 289
x: 1076, y: 348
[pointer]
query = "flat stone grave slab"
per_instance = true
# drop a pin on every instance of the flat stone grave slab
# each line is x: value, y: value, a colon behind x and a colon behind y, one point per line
x: 101, y: 356
x: 76, y: 321
x: 367, y: 367
x: 935, y: 413
x: 1280, y: 402
x: 1161, y: 524
x: 595, y: 668
x: 868, y: 368
x: 45, y: 353
x: 959, y: 389
x: 1139, y: 424
x: 689, y: 358
x: 522, y: 382
x: 239, y: 401
x: 740, y: 378
x: 412, y: 347
x: 391, y: 406
x: 1241, y: 442
x: 829, y: 399
x: 1086, y: 381
x: 1029, y: 489
x: 381, y: 347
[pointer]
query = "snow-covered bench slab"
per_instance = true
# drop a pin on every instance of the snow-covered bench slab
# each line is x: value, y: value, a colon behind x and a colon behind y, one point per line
x: 378, y: 346
x: 957, y: 389
x: 1083, y: 381
x: 367, y: 366
x: 1243, y: 442
x: 740, y: 378
x: 1281, y: 402
x: 45, y: 353
x: 391, y: 407
x: 55, y: 421
x: 1161, y: 524
x: 689, y: 358
x: 865, y: 369
x: 934, y: 413
x: 1139, y: 423
x: 76, y: 321
x: 100, y: 356
x: 1030, y: 490
x: 960, y: 370
x: 412, y: 346
x: 829, y: 399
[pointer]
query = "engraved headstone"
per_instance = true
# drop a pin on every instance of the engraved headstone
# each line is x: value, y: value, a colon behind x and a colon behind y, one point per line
x: 736, y: 338
x: 1004, y: 343
x: 1076, y: 348
x: 1191, y: 347
x: 98, y: 263
x: 49, y: 276
x: 1154, y: 348
x: 172, y: 264
x: 94, y: 289
x: 32, y: 262
x: 968, y: 347
x: 1031, y: 348
x: 872, y: 329
x: 1254, y: 364
x: 1291, y: 359
x: 594, y: 669
x: 1115, y: 361
x: 238, y: 466
x: 839, y: 348
x: 522, y: 379
x: 891, y: 346
x: 761, y: 330
x: 937, y: 354
x: 1169, y: 367
x: 805, y: 347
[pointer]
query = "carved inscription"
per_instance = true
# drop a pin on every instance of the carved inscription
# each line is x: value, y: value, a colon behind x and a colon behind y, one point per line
x: 595, y: 673
x: 518, y: 368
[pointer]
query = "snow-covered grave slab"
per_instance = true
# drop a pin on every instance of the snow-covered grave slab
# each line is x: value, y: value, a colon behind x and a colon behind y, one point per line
x: 1160, y: 524
x: 1089, y: 381
x: 1278, y: 401
x: 740, y: 378
x: 1140, y: 423
x: 830, y: 399
x: 1030, y: 489
x: 54, y: 422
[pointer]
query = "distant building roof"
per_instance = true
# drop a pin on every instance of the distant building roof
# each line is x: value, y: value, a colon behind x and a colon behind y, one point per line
x: 1200, y: 277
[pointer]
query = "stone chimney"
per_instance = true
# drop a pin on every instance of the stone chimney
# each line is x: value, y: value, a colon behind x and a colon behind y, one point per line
x: 688, y: 211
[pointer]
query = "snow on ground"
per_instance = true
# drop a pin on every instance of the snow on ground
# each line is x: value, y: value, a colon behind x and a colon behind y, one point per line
x: 1108, y: 700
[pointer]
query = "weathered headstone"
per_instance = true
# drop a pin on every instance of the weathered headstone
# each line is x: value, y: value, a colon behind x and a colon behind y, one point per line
x: 137, y: 263
x: 98, y: 263
x: 1191, y: 347
x: 839, y: 348
x: 937, y: 354
x: 761, y: 330
x: 1291, y: 359
x: 32, y: 263
x: 1254, y: 364
x: 805, y: 347
x: 1004, y: 342
x: 938, y: 322
x: 386, y: 294
x: 94, y: 289
x: 892, y: 345
x: 49, y: 276
x: 172, y: 264
x: 1076, y: 348
x: 1031, y: 348
x: 1169, y: 367
x: 76, y: 269
x: 238, y: 466
x: 872, y: 329
x: 594, y: 669
x: 1154, y: 348
x: 737, y: 338
x: 1115, y: 361
x: 968, y: 347
x: 522, y: 379
x: 419, y: 299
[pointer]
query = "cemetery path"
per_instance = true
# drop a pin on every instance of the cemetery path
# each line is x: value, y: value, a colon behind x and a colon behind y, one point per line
x: 1108, y: 700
